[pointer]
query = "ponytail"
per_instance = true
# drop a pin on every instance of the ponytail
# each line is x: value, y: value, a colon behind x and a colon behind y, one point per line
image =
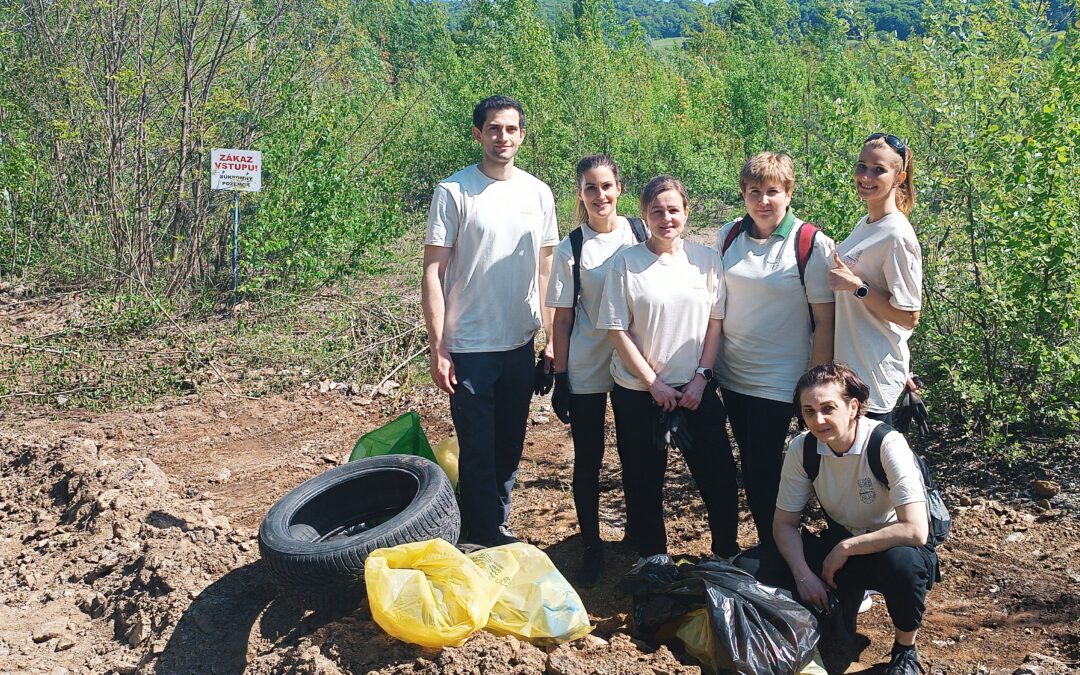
x: 905, y: 191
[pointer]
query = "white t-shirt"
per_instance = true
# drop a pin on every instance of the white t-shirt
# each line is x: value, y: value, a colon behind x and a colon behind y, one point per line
x: 845, y: 486
x: 665, y: 304
x: 496, y: 229
x: 887, y: 256
x: 589, y: 367
x: 767, y: 336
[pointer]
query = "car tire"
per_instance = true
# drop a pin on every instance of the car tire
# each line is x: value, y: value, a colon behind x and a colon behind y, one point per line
x: 315, y: 539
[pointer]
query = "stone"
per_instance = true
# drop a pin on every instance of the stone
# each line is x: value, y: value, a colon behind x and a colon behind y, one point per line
x: 1045, y: 488
x: 1045, y: 504
x: 329, y: 459
x: 966, y: 501
x: 1014, y: 537
x: 324, y: 386
x: 594, y: 641
x: 562, y: 662
x: 65, y: 643
x: 50, y: 630
x: 1029, y: 669
x: 139, y: 631
x: 223, y: 475
x: 540, y: 419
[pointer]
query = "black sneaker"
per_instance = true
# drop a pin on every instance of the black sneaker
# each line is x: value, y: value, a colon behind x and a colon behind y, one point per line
x: 904, y: 662
x: 592, y: 567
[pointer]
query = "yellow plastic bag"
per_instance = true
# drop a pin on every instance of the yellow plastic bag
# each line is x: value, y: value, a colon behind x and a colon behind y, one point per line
x: 446, y: 453
x: 431, y: 594
x: 537, y: 603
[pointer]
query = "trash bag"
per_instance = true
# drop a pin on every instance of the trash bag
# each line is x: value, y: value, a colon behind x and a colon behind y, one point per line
x: 431, y: 594
x: 446, y: 453
x: 537, y: 604
x: 403, y: 436
x: 725, y: 618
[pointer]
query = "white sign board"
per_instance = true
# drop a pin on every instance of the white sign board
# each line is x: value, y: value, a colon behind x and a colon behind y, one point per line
x: 238, y: 170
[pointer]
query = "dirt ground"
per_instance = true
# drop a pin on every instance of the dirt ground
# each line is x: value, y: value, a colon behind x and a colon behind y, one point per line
x: 128, y: 543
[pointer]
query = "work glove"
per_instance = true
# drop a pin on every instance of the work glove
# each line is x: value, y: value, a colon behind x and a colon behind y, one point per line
x: 672, y: 430
x: 560, y: 398
x: 544, y: 377
x: 912, y: 408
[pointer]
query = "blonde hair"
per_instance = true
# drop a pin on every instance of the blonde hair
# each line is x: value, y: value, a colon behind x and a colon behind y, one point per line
x: 768, y: 167
x: 586, y: 163
x: 905, y: 191
x: 658, y: 186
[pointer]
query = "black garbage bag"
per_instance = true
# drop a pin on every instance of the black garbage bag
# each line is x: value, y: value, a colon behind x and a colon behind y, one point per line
x: 724, y: 617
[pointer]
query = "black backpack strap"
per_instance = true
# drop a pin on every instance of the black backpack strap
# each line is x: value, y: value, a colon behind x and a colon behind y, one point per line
x: 811, y: 461
x: 873, y: 452
x: 637, y: 225
x: 577, y: 238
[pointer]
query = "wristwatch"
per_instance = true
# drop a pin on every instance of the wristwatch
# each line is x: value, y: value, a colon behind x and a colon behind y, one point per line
x: 705, y: 372
x: 862, y: 291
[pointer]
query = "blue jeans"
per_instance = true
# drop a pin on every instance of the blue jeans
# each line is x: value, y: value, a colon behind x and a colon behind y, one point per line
x: 490, y: 408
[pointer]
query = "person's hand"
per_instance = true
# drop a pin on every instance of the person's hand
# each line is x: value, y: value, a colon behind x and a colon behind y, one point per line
x: 841, y: 278
x: 560, y: 397
x: 548, y: 353
x: 442, y: 371
x: 692, y: 392
x: 666, y: 397
x: 833, y: 562
x: 813, y: 591
x: 544, y: 376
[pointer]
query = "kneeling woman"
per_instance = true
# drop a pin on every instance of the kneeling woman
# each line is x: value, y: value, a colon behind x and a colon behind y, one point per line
x: 877, y: 536
x: 663, y: 306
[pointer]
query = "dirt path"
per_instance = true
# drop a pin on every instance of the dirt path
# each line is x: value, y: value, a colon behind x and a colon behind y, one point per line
x: 128, y: 544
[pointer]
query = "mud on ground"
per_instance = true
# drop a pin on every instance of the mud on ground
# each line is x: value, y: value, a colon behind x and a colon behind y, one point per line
x: 128, y: 544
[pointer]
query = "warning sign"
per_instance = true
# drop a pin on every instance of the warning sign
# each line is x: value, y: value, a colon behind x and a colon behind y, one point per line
x: 238, y: 170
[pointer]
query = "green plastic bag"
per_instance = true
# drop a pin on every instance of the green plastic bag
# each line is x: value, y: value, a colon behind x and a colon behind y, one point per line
x: 403, y: 436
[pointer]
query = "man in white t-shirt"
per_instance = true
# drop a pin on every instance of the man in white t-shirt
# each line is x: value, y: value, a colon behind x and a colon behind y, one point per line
x: 490, y: 234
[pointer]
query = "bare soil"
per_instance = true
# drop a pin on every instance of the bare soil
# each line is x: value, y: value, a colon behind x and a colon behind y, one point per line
x: 128, y: 543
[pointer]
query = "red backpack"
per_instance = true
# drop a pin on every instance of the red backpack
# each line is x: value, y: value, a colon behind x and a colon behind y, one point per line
x: 804, y: 246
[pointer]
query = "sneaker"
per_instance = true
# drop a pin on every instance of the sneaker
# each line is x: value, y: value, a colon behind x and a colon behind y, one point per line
x: 592, y: 567
x: 866, y: 604
x: 904, y: 662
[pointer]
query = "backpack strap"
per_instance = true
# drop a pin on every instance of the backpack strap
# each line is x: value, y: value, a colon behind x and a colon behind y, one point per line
x: 804, y: 246
x: 811, y: 461
x: 637, y: 225
x: 577, y: 238
x: 873, y: 452
x: 732, y: 235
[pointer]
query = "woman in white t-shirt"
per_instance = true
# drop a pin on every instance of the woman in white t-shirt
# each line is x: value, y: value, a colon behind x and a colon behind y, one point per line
x: 779, y: 322
x: 663, y: 305
x: 878, y: 275
x: 878, y: 536
x: 583, y: 351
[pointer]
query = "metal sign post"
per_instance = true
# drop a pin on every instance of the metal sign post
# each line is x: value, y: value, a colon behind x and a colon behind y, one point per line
x: 239, y: 171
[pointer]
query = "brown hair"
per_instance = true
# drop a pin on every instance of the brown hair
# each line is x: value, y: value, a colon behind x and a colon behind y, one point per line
x: 768, y: 167
x: 658, y: 186
x: 905, y: 191
x: 838, y: 373
x: 581, y: 215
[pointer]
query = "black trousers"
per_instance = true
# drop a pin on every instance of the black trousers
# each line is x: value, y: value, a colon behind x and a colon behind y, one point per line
x: 490, y: 408
x: 760, y: 427
x: 645, y: 465
x: 903, y: 575
x: 587, y: 430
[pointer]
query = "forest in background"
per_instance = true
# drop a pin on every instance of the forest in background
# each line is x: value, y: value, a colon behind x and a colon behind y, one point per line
x: 108, y: 112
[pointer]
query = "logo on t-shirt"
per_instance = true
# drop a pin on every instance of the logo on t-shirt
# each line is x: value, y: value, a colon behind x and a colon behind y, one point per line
x: 866, y: 491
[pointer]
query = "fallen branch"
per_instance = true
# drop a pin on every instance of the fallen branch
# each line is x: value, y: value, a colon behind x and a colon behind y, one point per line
x: 399, y: 367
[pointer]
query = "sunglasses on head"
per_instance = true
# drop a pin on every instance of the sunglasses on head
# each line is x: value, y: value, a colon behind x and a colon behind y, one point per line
x: 892, y: 141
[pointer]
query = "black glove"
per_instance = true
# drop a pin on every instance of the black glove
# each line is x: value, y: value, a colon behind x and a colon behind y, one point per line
x: 912, y: 408
x: 544, y: 377
x: 560, y: 398
x: 672, y: 431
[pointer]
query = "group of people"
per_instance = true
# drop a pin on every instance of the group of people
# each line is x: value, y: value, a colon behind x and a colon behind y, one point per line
x: 772, y: 323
